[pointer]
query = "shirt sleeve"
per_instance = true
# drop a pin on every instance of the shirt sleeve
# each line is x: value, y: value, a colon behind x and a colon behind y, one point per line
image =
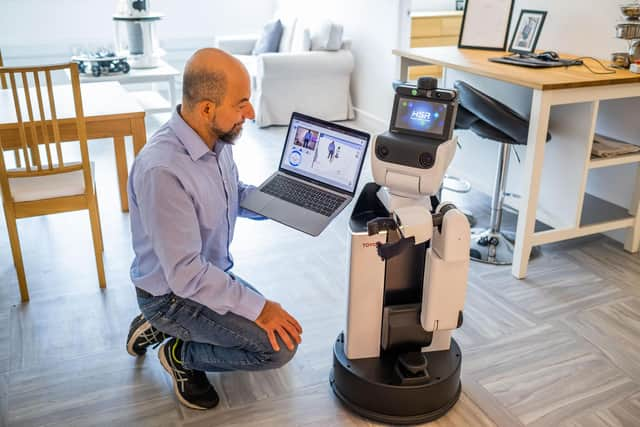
x: 169, y: 219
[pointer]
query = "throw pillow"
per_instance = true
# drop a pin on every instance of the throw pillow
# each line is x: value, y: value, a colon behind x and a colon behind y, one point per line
x: 289, y: 27
x: 269, y: 39
x: 301, y: 40
x: 327, y: 36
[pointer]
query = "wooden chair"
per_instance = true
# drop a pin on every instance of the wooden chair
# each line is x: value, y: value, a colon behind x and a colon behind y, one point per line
x: 3, y: 85
x: 46, y: 184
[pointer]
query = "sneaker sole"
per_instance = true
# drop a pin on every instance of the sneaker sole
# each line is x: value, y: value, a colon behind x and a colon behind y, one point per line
x: 146, y: 325
x: 167, y: 367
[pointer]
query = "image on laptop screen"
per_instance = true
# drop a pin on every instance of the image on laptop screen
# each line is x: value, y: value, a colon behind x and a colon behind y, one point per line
x: 326, y: 154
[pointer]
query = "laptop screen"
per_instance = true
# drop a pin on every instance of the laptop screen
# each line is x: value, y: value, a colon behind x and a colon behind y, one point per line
x: 324, y: 152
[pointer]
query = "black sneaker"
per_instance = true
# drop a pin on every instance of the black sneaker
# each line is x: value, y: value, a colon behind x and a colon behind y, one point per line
x: 142, y: 335
x: 192, y: 387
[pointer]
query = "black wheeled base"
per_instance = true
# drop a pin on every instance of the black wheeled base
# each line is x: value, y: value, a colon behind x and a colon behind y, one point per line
x: 369, y: 387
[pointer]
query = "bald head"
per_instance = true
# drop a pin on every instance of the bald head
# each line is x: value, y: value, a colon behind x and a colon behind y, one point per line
x: 207, y: 76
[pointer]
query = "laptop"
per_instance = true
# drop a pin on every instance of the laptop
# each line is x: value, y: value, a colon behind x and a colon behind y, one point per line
x: 319, y: 170
x: 533, y: 62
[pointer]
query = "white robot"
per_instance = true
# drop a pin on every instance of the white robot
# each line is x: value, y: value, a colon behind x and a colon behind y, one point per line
x: 396, y: 361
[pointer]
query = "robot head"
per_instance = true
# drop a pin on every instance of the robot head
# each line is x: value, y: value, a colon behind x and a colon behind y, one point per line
x: 412, y: 157
x: 409, y: 166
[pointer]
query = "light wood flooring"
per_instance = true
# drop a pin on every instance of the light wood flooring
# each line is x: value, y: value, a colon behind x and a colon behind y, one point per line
x: 560, y: 348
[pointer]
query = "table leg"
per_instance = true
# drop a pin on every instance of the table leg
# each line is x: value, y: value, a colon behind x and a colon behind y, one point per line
x: 122, y: 170
x: 632, y: 242
x: 139, y: 134
x: 172, y: 93
x: 538, y: 126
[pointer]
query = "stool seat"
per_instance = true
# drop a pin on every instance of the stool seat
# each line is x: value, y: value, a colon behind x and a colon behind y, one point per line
x: 492, y: 120
x: 465, y: 118
x: 483, y: 130
x: 494, y: 114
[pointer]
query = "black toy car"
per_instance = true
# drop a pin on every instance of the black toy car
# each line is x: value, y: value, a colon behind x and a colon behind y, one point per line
x: 101, y: 62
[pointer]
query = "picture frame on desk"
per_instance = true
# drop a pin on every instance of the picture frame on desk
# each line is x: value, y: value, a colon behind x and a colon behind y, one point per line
x: 485, y: 24
x: 527, y: 31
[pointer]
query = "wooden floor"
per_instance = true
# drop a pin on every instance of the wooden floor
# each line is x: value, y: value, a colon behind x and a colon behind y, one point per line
x: 561, y: 348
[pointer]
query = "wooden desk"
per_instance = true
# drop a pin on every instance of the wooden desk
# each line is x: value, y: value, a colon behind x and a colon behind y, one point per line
x: 110, y: 112
x: 574, y: 94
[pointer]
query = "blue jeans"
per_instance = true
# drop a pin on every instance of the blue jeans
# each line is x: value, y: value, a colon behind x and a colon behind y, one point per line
x: 213, y: 342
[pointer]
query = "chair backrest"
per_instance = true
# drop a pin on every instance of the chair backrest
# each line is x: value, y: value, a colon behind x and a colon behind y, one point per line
x: 3, y: 79
x: 38, y: 124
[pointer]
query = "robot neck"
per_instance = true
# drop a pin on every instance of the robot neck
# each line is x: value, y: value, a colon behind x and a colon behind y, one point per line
x: 393, y: 201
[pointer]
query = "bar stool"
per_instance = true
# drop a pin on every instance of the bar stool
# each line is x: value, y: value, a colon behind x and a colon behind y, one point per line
x: 490, y: 119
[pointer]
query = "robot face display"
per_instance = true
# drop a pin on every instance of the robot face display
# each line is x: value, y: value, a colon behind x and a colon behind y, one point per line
x: 420, y: 116
x: 428, y: 113
x: 413, y: 156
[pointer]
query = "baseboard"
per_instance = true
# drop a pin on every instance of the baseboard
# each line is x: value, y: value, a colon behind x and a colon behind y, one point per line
x: 542, y: 215
x: 370, y: 120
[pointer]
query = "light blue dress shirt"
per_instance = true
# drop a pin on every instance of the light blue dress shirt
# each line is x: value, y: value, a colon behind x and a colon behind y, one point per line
x: 184, y: 200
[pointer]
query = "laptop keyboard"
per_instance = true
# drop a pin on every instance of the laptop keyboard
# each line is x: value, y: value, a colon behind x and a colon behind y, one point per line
x: 303, y: 195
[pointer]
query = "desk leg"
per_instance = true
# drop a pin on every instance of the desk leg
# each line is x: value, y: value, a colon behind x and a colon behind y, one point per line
x: 121, y: 168
x: 139, y: 134
x: 404, y: 69
x: 405, y: 63
x: 538, y: 125
x: 632, y: 242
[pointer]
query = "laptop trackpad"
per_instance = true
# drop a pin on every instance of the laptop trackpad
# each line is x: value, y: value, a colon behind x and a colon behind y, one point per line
x: 295, y: 216
x: 256, y: 201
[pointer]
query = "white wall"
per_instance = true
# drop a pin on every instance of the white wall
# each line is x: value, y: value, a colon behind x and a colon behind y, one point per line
x: 433, y: 4
x: 52, y: 29
x: 373, y: 26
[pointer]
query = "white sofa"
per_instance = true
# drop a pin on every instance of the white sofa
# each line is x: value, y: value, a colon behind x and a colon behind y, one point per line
x: 310, y: 82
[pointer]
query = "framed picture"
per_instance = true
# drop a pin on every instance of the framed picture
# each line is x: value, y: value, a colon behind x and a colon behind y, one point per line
x: 527, y: 32
x: 485, y: 24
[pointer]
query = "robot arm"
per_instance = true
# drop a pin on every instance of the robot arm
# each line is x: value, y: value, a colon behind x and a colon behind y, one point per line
x: 413, y: 223
x: 446, y: 263
x: 446, y: 270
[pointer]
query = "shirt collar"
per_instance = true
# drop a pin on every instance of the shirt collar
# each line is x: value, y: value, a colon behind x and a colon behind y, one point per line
x: 193, y: 143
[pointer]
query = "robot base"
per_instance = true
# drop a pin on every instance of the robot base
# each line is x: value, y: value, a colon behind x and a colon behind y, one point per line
x: 367, y: 388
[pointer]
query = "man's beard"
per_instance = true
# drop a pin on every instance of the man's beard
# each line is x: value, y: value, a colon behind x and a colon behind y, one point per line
x: 229, y: 136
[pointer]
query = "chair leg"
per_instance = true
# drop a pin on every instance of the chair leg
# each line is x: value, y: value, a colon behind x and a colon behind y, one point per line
x: 97, y: 239
x: 99, y: 221
x: 14, y: 240
x: 16, y: 155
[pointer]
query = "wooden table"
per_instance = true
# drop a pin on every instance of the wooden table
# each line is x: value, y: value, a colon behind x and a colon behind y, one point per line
x: 574, y: 93
x: 150, y: 100
x: 110, y: 112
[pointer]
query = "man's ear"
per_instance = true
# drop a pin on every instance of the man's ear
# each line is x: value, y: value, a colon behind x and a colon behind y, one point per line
x: 208, y: 109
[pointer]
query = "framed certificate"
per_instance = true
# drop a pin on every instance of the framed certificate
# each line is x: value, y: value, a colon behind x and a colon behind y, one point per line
x: 485, y: 24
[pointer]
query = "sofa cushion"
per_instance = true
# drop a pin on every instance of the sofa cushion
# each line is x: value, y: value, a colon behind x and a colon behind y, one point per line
x: 326, y: 36
x: 269, y: 40
x: 301, y: 39
x: 288, y: 29
x: 25, y: 189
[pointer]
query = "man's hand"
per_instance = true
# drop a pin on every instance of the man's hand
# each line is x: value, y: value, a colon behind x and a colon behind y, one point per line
x: 274, y: 319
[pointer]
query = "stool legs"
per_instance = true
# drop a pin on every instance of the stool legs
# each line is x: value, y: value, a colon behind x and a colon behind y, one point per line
x: 499, y: 186
x: 491, y: 245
